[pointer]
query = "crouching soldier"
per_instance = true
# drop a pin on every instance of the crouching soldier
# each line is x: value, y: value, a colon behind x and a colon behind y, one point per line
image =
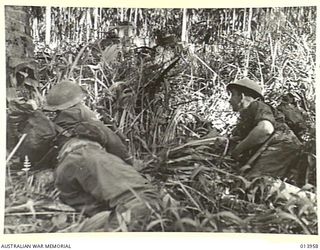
x: 93, y: 172
x: 270, y: 147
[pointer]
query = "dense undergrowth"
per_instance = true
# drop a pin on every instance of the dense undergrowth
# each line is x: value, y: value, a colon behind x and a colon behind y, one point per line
x: 169, y: 104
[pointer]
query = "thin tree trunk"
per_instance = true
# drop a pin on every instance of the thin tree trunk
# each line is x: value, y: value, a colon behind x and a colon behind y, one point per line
x: 184, y: 26
x: 136, y: 21
x: 87, y: 28
x: 141, y: 15
x: 136, y: 16
x: 227, y: 23
x: 273, y: 50
x: 69, y: 22
x: 233, y: 19
x: 249, y: 23
x: 95, y: 25
x: 101, y: 27
x: 246, y: 69
x: 121, y: 14
x: 165, y: 17
x: 244, y: 20
x: 80, y: 33
x: 48, y: 25
x: 130, y: 16
x: 145, y: 27
x: 76, y: 34
x: 35, y: 29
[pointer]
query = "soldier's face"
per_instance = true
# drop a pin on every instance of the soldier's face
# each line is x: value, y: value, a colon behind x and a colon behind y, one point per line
x: 235, y: 100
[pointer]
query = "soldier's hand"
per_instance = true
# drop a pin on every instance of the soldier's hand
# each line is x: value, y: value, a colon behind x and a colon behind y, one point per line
x: 234, y: 138
x: 236, y: 154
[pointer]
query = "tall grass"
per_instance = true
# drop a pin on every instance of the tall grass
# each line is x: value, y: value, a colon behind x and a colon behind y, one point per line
x: 162, y: 102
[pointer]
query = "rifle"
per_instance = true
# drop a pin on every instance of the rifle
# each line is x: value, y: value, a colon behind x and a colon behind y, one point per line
x: 256, y: 155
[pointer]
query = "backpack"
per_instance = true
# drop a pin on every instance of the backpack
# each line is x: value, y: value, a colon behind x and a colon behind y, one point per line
x: 41, y: 134
x: 90, y: 130
x: 293, y: 117
x: 98, y: 132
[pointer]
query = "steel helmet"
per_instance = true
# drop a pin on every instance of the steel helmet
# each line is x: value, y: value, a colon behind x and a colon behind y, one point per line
x: 248, y: 84
x: 63, y: 95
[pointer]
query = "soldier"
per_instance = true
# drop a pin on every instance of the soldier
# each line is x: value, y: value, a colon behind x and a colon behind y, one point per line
x: 93, y: 172
x: 294, y: 116
x: 257, y: 124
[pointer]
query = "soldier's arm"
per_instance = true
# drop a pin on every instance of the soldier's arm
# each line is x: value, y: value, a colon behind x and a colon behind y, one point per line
x: 257, y: 136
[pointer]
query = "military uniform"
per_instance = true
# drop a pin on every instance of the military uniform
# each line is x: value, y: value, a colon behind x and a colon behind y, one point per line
x: 91, y: 177
x: 282, y: 150
x: 94, y: 172
x: 279, y: 156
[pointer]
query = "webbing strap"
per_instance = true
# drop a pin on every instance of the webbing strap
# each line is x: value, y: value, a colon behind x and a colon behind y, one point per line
x: 62, y: 131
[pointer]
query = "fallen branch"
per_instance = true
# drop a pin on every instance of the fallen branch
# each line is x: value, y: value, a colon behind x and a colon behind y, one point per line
x: 290, y: 191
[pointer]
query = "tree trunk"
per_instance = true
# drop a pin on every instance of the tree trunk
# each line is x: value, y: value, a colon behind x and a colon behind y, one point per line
x: 136, y: 21
x: 246, y: 69
x: 244, y: 20
x: 35, y: 29
x: 121, y: 15
x: 19, y: 43
x: 88, y: 24
x: 130, y: 15
x: 184, y: 26
x: 227, y: 22
x: 95, y: 25
x: 233, y: 19
x: 249, y: 23
x: 48, y: 25
x: 70, y: 22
